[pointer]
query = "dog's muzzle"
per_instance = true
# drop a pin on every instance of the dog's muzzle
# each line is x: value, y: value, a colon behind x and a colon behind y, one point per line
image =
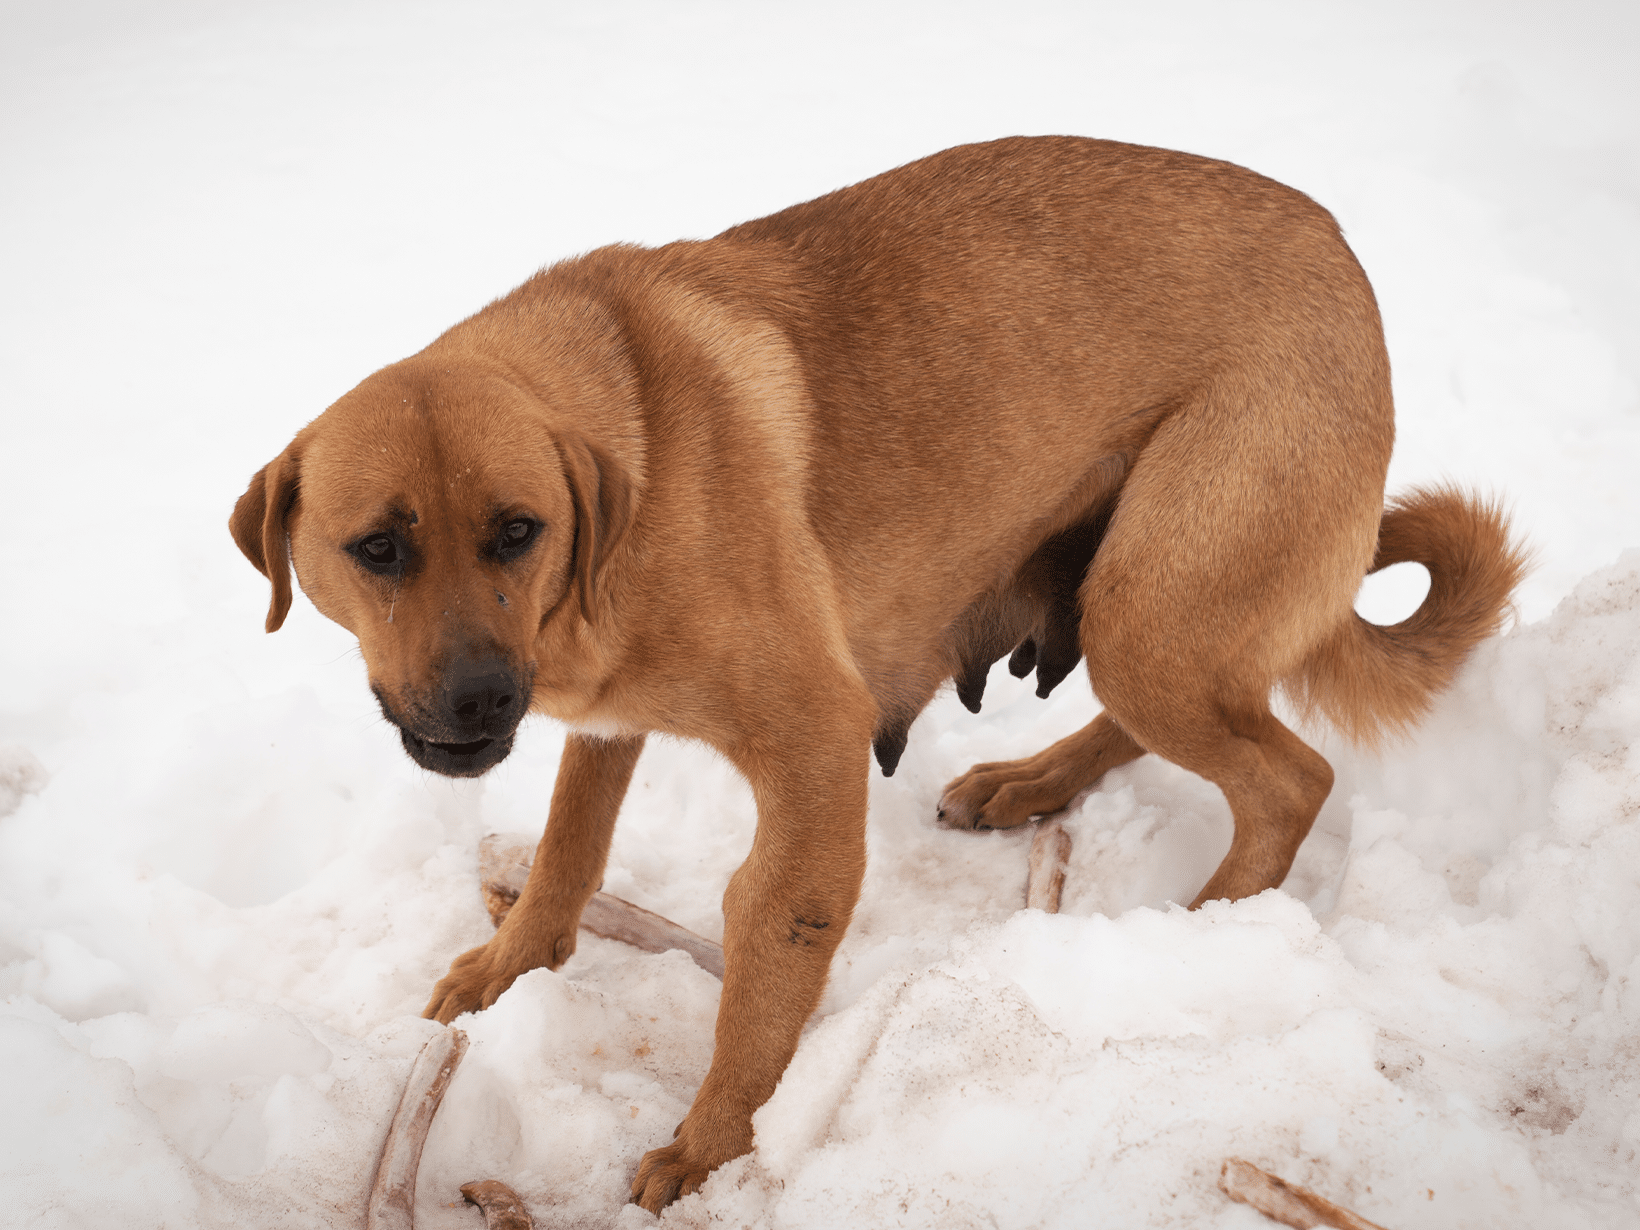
x: 468, y: 728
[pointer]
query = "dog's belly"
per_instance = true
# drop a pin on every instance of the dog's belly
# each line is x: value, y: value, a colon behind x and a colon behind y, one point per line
x: 1022, y: 598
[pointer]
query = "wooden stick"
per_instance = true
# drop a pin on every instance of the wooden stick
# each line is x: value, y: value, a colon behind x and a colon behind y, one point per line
x: 503, y: 1210
x: 393, y: 1194
x: 1287, y: 1203
x: 503, y: 869
x: 615, y: 919
x: 1045, y: 866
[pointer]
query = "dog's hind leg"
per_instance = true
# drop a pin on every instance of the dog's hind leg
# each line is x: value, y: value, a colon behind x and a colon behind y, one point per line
x: 1275, y: 784
x: 1240, y: 540
x: 1236, y: 547
x: 1005, y: 794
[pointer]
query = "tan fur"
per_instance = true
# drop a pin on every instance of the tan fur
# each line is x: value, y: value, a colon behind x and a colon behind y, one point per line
x: 1371, y: 681
x: 1047, y: 395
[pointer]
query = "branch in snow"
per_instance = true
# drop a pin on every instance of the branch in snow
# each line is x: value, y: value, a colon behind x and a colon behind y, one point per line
x: 504, y: 868
x: 502, y: 1208
x: 1045, y: 867
x: 1284, y: 1202
x: 393, y: 1194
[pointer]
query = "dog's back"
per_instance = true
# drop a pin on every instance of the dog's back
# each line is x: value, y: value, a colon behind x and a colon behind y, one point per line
x: 1061, y: 298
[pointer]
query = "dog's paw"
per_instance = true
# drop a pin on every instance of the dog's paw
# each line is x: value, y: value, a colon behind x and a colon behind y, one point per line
x: 468, y: 987
x: 480, y: 976
x: 664, y: 1175
x: 682, y: 1166
x: 1004, y: 795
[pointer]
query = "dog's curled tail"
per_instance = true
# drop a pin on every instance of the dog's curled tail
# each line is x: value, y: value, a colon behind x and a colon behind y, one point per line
x: 1371, y: 681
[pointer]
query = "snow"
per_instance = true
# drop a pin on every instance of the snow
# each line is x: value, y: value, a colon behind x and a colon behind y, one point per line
x: 225, y: 893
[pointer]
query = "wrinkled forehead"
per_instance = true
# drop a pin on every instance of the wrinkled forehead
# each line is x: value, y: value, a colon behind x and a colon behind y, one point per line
x: 428, y: 447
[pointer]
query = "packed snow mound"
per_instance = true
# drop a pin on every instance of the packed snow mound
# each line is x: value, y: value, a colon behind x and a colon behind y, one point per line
x: 21, y: 773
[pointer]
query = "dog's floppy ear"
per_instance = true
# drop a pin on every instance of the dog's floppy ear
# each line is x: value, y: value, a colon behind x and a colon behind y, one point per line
x: 606, y: 499
x: 258, y: 526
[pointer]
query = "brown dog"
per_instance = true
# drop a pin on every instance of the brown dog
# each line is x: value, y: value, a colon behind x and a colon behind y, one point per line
x: 1050, y: 395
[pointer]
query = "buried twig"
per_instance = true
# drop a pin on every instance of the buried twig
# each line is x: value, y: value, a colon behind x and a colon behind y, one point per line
x: 1045, y: 866
x: 615, y: 919
x: 502, y: 1208
x: 1285, y: 1202
x: 503, y: 869
x: 393, y: 1194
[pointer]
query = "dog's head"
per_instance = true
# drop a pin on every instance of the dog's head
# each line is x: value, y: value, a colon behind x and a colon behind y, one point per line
x: 444, y: 514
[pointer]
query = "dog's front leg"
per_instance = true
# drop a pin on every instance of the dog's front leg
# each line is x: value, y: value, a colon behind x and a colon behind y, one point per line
x: 541, y: 927
x: 784, y: 912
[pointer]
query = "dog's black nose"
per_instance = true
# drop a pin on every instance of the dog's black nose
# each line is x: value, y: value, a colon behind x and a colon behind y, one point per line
x: 479, y: 698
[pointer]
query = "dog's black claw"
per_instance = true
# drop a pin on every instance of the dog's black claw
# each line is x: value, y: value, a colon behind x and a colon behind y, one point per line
x: 1023, y: 660
x: 971, y: 694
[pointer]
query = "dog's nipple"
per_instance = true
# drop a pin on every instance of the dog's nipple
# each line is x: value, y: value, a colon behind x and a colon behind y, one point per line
x: 501, y: 597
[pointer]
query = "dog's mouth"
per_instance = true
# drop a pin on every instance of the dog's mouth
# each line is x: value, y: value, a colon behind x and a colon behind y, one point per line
x: 463, y: 749
x: 456, y: 759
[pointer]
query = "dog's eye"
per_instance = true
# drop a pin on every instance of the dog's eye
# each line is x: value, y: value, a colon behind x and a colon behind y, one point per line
x: 515, y: 537
x: 379, y: 553
x: 379, y: 550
